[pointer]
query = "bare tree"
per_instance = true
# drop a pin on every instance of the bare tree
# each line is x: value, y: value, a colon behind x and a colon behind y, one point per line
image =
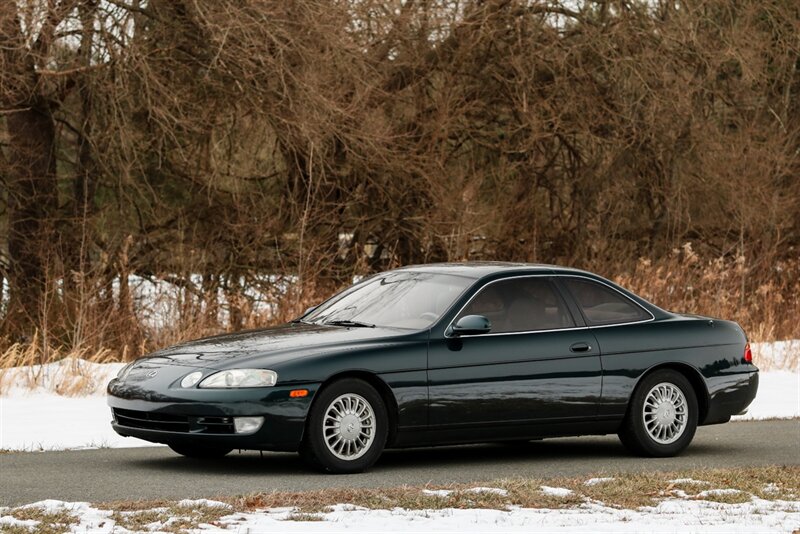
x: 226, y: 140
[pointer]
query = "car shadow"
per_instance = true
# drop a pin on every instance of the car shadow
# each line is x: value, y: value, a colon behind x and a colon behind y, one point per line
x: 608, y: 453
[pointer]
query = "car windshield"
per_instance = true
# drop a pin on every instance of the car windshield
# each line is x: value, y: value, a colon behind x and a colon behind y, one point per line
x: 400, y: 299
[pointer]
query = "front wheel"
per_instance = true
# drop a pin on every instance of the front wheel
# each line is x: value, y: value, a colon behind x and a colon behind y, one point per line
x: 196, y: 451
x: 662, y: 415
x: 347, y: 428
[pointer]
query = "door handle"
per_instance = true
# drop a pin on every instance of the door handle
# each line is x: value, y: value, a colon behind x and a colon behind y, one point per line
x: 580, y: 347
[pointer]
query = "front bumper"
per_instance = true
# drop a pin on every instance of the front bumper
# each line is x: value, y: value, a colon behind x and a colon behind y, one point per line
x: 198, y: 415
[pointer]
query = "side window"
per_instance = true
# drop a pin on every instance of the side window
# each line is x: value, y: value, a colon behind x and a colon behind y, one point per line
x: 521, y: 305
x: 603, y: 305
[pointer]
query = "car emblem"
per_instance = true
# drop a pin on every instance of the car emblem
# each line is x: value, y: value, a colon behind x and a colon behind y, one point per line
x: 151, y: 374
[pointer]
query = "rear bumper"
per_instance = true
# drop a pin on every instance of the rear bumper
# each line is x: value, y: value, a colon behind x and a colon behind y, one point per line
x: 730, y: 395
x: 284, y: 417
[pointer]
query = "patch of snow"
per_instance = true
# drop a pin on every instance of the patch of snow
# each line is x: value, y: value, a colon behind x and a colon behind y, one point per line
x: 771, y: 488
x: 669, y: 515
x: 778, y: 396
x: 46, y: 421
x: 155, y: 300
x: 437, y: 493
x: 289, y: 509
x: 55, y: 377
x: 334, y: 508
x: 722, y: 491
x: 687, y: 481
x: 203, y: 502
x: 14, y: 522
x: 496, y: 491
x: 50, y: 505
x: 777, y: 355
x: 91, y: 519
x: 597, y: 480
x: 556, y: 492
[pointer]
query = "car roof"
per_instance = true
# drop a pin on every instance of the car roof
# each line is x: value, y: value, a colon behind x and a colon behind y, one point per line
x: 482, y: 269
x: 479, y: 269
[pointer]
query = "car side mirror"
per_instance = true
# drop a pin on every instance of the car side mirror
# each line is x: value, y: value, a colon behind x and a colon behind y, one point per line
x: 471, y: 325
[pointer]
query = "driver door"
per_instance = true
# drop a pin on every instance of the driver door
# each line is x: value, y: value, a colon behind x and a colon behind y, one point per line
x: 536, y: 365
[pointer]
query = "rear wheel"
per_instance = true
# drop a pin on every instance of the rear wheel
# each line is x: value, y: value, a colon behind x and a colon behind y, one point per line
x: 347, y: 428
x: 196, y: 451
x: 662, y: 416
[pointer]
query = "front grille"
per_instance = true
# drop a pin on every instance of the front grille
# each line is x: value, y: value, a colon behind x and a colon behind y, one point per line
x: 152, y: 420
x: 173, y: 423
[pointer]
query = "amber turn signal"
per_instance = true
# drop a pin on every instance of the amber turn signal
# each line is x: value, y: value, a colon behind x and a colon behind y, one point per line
x: 298, y: 393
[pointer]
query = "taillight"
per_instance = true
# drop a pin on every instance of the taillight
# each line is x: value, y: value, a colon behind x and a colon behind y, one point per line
x: 748, y: 354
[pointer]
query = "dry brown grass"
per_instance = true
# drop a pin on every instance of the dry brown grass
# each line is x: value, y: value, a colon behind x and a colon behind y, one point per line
x: 624, y: 491
x: 768, y: 308
x: 683, y: 282
x: 628, y: 491
x: 48, y: 522
x: 73, y: 375
x: 173, y: 517
x: 393, y: 135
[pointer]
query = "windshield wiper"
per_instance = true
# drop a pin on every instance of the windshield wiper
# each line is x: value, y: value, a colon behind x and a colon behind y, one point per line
x: 349, y: 323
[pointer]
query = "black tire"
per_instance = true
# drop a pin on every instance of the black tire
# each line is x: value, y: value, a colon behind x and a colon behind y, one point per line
x: 314, y: 448
x: 633, y: 433
x: 197, y: 451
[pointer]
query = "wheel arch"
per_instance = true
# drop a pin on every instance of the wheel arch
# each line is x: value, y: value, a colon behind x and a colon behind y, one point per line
x: 380, y: 386
x: 694, y: 377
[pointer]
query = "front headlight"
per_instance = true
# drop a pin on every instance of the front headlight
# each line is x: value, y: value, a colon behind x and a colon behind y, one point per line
x: 240, y: 378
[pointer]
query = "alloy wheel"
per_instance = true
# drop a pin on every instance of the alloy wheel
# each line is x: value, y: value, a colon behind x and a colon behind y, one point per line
x: 665, y: 413
x: 348, y: 426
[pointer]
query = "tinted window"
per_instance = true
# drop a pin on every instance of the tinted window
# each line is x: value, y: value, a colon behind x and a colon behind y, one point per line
x: 603, y: 305
x: 521, y: 305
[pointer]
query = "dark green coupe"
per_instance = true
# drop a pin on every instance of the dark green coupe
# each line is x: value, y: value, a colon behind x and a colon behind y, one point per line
x: 440, y: 354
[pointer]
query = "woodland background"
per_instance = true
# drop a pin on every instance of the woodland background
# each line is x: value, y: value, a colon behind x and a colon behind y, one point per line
x: 257, y: 155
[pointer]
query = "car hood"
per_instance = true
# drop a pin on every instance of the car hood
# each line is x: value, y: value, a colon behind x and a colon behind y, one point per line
x: 269, y: 345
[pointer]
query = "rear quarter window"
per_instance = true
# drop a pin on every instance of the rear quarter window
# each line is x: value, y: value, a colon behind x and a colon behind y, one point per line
x: 602, y: 305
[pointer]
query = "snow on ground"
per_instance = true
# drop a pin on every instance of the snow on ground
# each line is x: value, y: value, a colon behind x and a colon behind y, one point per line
x: 46, y: 421
x: 556, y: 492
x: 68, y: 376
x: 40, y: 419
x: 777, y: 355
x: 672, y: 515
x: 598, y: 480
x: 437, y: 493
x: 495, y: 491
x: 778, y: 396
x: 37, y: 418
x: 669, y: 515
x: 445, y: 493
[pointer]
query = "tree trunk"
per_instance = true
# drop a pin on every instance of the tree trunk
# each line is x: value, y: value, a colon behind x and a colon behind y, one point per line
x: 31, y: 204
x: 31, y: 178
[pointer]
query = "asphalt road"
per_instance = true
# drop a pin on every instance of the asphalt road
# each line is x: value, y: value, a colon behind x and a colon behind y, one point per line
x: 155, y: 472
